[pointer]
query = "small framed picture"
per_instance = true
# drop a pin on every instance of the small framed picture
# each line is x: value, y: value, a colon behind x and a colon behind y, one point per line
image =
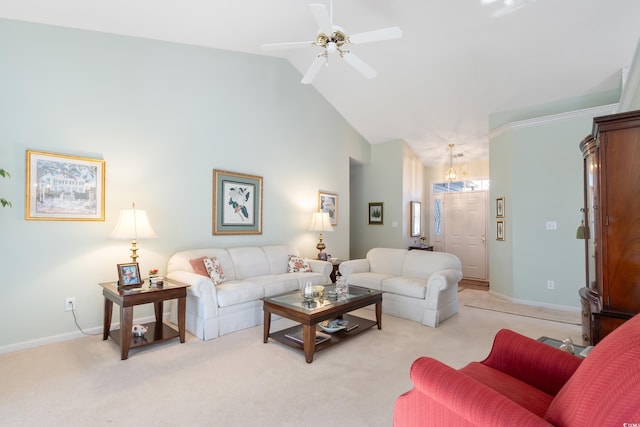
x: 500, y: 230
x: 376, y: 213
x: 328, y: 202
x: 500, y: 207
x: 129, y: 275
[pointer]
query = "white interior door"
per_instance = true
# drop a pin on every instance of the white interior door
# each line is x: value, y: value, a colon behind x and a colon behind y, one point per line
x: 465, y: 231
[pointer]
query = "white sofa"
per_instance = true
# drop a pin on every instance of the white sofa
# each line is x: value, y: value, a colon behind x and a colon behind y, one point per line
x: 418, y: 285
x: 250, y: 274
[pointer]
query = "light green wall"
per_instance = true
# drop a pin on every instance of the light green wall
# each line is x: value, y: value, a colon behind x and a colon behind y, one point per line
x: 162, y: 116
x: 538, y: 169
x: 394, y: 176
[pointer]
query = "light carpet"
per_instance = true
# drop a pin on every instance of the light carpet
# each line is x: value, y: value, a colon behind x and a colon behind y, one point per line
x: 536, y: 312
x: 237, y: 380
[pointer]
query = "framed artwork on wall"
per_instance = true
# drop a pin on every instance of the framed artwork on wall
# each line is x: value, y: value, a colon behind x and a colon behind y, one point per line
x: 129, y: 275
x: 328, y: 202
x: 237, y: 203
x: 416, y: 219
x: 64, y: 188
x: 500, y: 207
x: 500, y: 230
x: 376, y: 213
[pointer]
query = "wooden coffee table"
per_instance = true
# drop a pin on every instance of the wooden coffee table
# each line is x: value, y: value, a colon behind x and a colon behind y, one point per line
x: 127, y: 298
x: 292, y: 306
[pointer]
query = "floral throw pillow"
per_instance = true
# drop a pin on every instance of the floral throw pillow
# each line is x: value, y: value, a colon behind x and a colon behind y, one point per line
x: 214, y: 269
x: 298, y: 264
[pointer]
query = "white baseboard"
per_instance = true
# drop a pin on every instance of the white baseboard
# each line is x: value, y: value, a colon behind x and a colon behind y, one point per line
x: 535, y: 303
x: 97, y: 330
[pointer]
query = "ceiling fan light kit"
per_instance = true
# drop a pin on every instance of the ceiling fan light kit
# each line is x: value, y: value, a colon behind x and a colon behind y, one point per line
x: 333, y: 40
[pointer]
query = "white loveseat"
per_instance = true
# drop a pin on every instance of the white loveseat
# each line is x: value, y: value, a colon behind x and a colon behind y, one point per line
x: 418, y: 285
x: 250, y: 274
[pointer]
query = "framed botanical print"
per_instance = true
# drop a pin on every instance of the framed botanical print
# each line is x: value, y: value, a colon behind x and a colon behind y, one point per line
x: 500, y: 207
x: 237, y: 203
x: 64, y: 188
x: 376, y: 213
x: 328, y: 202
x: 500, y: 230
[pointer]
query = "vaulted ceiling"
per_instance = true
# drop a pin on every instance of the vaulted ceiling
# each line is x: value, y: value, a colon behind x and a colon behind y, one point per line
x: 458, y: 60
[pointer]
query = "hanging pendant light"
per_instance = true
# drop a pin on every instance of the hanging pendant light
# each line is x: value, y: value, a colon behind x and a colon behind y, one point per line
x: 451, y: 173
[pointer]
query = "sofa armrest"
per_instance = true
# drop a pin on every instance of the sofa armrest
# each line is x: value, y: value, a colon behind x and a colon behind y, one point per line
x: 198, y: 282
x: 533, y: 362
x: 442, y: 279
x: 319, y: 266
x: 460, y: 397
x: 347, y: 268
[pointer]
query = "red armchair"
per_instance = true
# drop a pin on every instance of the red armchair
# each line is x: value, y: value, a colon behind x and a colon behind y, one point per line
x: 524, y: 382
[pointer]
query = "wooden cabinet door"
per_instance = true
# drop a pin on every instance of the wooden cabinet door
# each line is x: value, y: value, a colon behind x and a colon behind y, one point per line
x: 620, y: 156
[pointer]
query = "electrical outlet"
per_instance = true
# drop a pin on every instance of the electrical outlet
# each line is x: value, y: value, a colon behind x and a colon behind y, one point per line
x: 551, y: 284
x: 69, y: 303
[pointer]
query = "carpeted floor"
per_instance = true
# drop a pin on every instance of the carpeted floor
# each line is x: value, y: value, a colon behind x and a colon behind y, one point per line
x: 571, y: 317
x: 237, y: 380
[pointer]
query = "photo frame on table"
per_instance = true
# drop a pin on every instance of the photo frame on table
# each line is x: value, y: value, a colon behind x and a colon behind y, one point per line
x: 500, y: 207
x: 376, y: 212
x: 237, y: 203
x: 61, y: 187
x: 328, y: 202
x: 500, y: 230
x: 129, y: 275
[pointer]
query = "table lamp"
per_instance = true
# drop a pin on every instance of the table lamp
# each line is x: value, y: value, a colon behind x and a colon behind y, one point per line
x: 133, y: 224
x: 320, y: 221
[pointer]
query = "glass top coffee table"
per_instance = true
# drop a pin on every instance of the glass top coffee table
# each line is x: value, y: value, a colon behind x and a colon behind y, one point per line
x: 310, y: 313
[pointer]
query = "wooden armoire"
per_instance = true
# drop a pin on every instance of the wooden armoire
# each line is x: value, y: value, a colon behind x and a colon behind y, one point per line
x: 612, y: 224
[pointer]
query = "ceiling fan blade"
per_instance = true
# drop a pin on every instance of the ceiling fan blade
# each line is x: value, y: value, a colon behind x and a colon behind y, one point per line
x: 313, y: 70
x: 359, y: 65
x: 321, y: 16
x: 288, y: 45
x: 376, y: 35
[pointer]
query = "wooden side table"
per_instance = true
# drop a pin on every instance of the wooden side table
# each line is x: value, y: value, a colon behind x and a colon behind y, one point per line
x: 127, y: 298
x: 421, y: 248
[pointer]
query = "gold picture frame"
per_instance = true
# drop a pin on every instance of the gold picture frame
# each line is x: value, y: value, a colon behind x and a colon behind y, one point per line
x: 500, y: 230
x: 61, y: 187
x: 237, y: 203
x: 500, y: 207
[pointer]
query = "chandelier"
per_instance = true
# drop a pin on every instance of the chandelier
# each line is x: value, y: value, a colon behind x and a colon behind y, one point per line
x: 451, y: 173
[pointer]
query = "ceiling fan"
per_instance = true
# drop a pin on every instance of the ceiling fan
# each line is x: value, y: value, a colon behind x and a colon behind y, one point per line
x: 334, y: 40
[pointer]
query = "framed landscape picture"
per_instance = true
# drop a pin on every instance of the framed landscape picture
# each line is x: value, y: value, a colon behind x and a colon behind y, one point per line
x: 64, y: 188
x: 328, y: 202
x: 376, y: 213
x: 237, y: 203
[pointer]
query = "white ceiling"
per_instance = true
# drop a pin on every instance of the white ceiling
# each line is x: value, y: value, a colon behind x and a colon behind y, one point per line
x: 458, y: 60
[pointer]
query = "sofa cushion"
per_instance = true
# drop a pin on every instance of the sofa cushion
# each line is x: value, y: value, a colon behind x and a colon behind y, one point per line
x: 298, y: 264
x: 249, y: 262
x: 277, y: 284
x: 520, y: 392
x: 369, y: 280
x: 214, y: 269
x: 278, y: 256
x: 422, y: 264
x: 386, y: 260
x: 407, y: 286
x: 237, y: 292
x: 197, y: 264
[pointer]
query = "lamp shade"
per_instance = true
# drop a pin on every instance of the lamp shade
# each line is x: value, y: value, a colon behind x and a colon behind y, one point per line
x: 133, y: 224
x: 320, y: 221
